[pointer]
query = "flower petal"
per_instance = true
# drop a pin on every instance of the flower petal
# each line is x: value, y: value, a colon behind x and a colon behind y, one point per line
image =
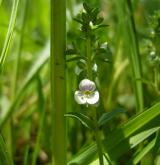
x: 87, y: 85
x: 79, y: 97
x: 93, y: 98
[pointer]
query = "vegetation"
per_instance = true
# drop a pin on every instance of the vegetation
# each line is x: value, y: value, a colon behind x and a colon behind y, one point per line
x: 79, y: 82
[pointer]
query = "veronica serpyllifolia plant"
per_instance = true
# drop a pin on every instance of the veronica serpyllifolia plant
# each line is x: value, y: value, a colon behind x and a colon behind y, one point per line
x: 85, y: 53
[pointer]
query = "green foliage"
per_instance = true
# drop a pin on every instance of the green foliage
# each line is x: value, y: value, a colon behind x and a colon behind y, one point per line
x: 126, y: 137
x: 106, y: 117
x: 85, y: 120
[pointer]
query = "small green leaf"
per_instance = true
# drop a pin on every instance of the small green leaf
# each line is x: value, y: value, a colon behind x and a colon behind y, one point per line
x: 81, y: 64
x: 78, y: 20
x: 109, y: 115
x: 74, y: 58
x: 101, y: 26
x: 85, y: 120
x: 104, y: 54
x: 70, y: 52
x: 94, y: 14
x: 99, y: 20
x: 85, y: 17
x: 86, y: 7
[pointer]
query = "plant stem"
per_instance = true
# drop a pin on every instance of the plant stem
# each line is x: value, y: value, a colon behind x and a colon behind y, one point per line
x: 89, y: 54
x: 156, y: 78
x: 89, y: 70
x: 98, y: 140
x: 58, y: 81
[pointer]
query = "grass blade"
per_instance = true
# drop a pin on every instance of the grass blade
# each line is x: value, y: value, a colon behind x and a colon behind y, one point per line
x: 135, y: 57
x: 9, y: 32
x: 26, y: 156
x: 118, y: 141
x: 143, y: 152
x: 4, y: 155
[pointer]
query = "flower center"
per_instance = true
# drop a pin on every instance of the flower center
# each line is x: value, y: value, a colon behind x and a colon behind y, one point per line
x: 87, y: 93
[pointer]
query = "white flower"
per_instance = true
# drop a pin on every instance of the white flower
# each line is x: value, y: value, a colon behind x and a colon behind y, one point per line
x: 87, y: 93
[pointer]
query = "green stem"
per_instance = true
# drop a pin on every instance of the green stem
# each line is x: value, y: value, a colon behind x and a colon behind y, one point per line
x: 156, y: 78
x: 89, y: 55
x: 98, y: 140
x: 58, y: 81
x: 89, y: 72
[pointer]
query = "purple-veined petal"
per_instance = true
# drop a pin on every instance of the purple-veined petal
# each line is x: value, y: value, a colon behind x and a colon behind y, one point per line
x: 79, y: 97
x: 93, y: 98
x: 87, y: 85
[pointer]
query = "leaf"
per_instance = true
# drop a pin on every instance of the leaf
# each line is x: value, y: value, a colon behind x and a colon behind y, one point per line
x: 74, y: 58
x: 81, y: 64
x: 85, y: 18
x: 86, y: 7
x: 137, y: 158
x: 85, y: 120
x: 94, y: 14
x: 100, y: 26
x: 117, y: 143
x: 9, y: 32
x: 156, y: 148
x: 104, y: 54
x: 99, y: 20
x: 70, y: 52
x: 78, y: 20
x: 106, y: 117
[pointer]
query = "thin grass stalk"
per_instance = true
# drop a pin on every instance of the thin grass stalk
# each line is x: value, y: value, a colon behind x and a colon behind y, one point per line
x: 17, y: 67
x: 127, y: 26
x: 41, y: 111
x: 26, y: 156
x: 135, y: 58
x: 58, y: 81
x: 13, y: 17
x: 17, y: 62
x: 9, y: 33
x: 143, y: 152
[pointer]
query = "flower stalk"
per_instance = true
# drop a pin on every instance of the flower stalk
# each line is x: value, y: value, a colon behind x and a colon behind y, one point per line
x: 98, y: 139
x: 89, y: 54
x: 96, y: 131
